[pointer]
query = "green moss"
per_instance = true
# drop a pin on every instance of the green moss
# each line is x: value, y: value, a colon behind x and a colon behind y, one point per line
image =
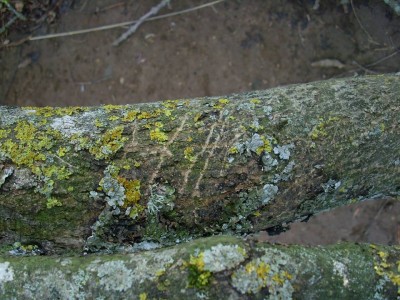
x: 319, y: 130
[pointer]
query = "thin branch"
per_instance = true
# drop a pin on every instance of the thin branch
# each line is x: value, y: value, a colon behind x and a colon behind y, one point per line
x: 18, y: 14
x: 8, y: 24
x: 154, y: 10
x: 122, y: 24
x: 361, y: 25
x: 383, y: 58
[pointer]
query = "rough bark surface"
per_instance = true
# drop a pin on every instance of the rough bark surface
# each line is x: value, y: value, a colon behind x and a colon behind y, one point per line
x: 218, y: 267
x: 96, y: 178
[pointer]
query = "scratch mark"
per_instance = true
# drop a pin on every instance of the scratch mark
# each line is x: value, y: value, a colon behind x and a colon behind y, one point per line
x: 133, y: 143
x: 233, y: 141
x: 196, y: 191
x: 165, y: 151
x: 205, y: 146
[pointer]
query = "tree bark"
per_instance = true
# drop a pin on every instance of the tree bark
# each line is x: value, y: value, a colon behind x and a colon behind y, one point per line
x: 96, y: 178
x: 219, y: 267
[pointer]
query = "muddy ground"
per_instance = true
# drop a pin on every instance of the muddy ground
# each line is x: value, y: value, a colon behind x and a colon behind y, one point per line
x: 232, y: 46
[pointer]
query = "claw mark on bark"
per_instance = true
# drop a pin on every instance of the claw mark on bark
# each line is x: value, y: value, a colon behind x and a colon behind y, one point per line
x: 232, y: 142
x: 196, y: 191
x: 133, y: 143
x: 165, y: 151
x: 205, y: 146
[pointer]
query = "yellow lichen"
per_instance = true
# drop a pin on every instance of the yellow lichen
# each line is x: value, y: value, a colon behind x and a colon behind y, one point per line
x: 132, y: 196
x: 257, y: 213
x: 130, y: 116
x: 148, y: 115
x: 167, y: 112
x: 109, y: 143
x: 25, y: 131
x: 4, y: 133
x: 233, y: 150
x: 143, y: 296
x: 384, y: 268
x: 188, y: 153
x: 197, y: 117
x: 48, y: 111
x: 52, y: 202
x: 263, y: 270
x: 113, y: 118
x: 61, y: 151
x: 110, y: 107
x: 132, y: 190
x: 266, y: 147
x: 198, y: 277
x: 255, y: 101
x: 171, y: 104
x: 158, y: 135
x: 221, y: 103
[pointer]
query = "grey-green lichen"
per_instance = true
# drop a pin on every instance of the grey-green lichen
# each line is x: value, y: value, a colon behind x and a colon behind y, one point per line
x: 115, y: 192
x: 213, y: 267
x: 115, y: 276
x: 4, y: 174
x: 6, y: 273
x: 269, y: 271
x: 161, y: 199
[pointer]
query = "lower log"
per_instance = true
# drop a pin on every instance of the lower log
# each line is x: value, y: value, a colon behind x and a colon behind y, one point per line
x: 219, y: 267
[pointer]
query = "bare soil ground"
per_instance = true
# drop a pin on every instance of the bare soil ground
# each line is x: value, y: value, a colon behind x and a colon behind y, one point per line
x: 232, y: 46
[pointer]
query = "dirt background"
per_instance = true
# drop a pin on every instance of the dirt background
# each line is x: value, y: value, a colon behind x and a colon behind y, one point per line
x: 232, y: 46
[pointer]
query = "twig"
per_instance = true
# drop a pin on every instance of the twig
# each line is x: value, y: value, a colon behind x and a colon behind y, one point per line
x: 360, y: 67
x: 8, y: 24
x: 364, y: 68
x: 383, y: 59
x: 362, y: 27
x: 9, y: 6
x: 122, y: 24
x: 366, y: 230
x: 154, y: 10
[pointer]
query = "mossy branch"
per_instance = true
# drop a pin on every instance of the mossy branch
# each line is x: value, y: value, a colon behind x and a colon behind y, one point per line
x: 99, y: 178
x: 213, y: 268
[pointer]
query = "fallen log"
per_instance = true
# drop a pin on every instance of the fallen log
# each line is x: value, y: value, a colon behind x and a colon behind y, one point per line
x: 96, y: 178
x: 219, y: 267
x: 121, y: 179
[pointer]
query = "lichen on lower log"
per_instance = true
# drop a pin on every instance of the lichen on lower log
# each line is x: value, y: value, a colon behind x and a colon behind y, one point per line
x: 211, y: 268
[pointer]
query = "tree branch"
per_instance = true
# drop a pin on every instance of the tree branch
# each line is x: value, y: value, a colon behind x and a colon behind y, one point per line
x: 96, y: 178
